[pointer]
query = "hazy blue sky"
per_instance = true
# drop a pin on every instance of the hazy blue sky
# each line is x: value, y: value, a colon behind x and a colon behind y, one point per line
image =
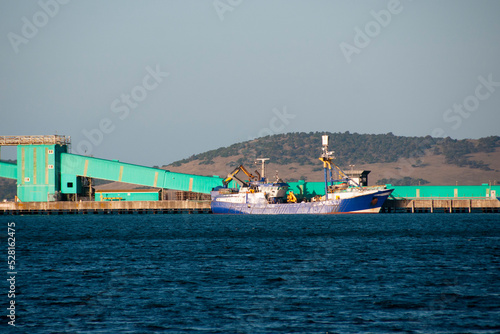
x: 151, y: 82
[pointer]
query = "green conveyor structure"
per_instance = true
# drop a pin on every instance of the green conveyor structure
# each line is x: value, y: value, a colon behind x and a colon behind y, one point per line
x: 8, y: 170
x: 76, y: 165
x: 45, y: 170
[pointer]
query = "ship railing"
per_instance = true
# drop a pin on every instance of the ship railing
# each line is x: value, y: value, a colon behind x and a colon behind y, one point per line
x: 364, y: 188
x: 228, y: 191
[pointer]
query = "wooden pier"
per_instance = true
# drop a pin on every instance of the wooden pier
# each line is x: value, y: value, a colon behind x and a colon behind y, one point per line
x: 443, y: 205
x: 111, y: 207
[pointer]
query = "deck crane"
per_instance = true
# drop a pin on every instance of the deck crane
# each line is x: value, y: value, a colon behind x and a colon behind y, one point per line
x: 233, y: 174
x: 327, y: 158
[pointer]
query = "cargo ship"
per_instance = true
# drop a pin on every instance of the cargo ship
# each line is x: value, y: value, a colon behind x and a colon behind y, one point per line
x: 259, y: 196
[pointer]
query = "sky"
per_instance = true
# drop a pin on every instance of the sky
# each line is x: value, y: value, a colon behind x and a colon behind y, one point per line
x: 152, y: 82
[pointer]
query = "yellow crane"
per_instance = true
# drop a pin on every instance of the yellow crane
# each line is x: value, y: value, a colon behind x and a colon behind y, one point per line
x: 233, y: 174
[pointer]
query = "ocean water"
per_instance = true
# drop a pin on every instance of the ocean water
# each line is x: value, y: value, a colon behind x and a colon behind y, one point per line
x: 410, y: 273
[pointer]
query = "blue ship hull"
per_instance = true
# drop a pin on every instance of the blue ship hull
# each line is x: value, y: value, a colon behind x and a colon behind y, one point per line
x: 259, y: 196
x: 369, y: 203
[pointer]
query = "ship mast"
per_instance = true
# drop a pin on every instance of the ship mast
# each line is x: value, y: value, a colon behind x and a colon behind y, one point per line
x: 326, y: 157
x: 263, y: 168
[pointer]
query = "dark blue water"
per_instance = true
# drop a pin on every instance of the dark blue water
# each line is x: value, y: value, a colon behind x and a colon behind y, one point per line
x: 413, y: 273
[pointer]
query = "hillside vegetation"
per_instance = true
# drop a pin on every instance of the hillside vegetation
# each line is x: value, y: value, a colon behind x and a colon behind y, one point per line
x: 391, y: 159
x: 305, y: 148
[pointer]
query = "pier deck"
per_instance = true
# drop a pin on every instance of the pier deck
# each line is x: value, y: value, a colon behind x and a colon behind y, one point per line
x: 91, y: 207
x: 448, y: 205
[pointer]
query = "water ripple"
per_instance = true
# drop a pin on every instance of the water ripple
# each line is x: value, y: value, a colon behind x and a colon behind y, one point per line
x: 257, y: 274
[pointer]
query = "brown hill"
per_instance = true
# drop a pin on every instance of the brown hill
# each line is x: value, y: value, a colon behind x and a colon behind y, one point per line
x: 433, y: 161
x: 433, y: 169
